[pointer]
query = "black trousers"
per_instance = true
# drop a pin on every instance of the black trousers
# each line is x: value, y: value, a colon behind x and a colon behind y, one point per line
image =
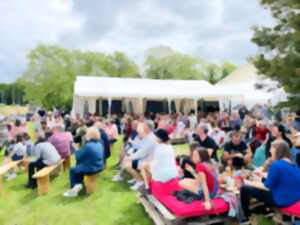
x: 32, y: 167
x: 248, y: 192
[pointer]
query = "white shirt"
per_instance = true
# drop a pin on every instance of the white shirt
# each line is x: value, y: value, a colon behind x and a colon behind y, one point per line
x: 163, y: 165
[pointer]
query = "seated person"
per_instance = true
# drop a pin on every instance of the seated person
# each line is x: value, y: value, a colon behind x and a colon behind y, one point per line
x: 133, y: 162
x: 280, y: 188
x: 61, y: 140
x: 162, y: 166
x: 89, y: 161
x: 15, y: 153
x: 205, y: 181
x: 262, y: 153
x: 205, y: 141
x: 44, y: 154
x: 235, y: 152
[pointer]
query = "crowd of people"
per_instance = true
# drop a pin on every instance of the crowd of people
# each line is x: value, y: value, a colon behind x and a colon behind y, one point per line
x: 218, y: 142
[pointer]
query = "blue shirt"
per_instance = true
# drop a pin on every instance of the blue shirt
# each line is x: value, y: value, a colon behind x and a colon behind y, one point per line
x: 284, y: 182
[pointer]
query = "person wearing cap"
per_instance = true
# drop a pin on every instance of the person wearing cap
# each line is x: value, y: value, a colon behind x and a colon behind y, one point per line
x: 145, y: 148
x: 162, y: 166
x: 206, y: 141
x: 61, y: 140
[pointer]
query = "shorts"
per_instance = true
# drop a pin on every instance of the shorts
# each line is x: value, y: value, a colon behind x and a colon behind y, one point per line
x: 135, y: 164
x: 17, y: 157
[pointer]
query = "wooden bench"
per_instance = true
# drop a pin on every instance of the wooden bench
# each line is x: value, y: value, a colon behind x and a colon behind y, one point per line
x: 43, y: 176
x: 5, y: 168
x: 90, y: 182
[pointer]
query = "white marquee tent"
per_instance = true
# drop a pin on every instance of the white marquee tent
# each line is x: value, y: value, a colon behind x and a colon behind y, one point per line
x: 136, y: 92
x: 243, y: 82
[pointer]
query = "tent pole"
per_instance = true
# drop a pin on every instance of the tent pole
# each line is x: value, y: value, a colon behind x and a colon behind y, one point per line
x: 109, y: 106
x: 169, y: 106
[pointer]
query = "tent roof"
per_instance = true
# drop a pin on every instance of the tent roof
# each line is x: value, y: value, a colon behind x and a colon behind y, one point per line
x: 90, y: 86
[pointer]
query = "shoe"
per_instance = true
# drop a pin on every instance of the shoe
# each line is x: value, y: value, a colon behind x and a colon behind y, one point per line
x: 11, y: 176
x: 132, y: 181
x: 144, y: 191
x: 70, y: 194
x: 74, y: 191
x: 117, y: 178
x: 137, y: 185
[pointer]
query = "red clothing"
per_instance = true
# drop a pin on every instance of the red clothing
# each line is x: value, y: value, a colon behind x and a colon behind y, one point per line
x: 210, y: 179
x: 261, y: 133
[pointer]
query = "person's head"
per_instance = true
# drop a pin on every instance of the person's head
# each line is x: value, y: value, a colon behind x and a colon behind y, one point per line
x: 202, y: 130
x: 19, y: 138
x: 41, y: 137
x: 194, y: 145
x: 200, y: 155
x: 134, y: 125
x: 92, y: 133
x: 145, y: 128
x: 279, y: 150
x: 26, y: 136
x: 236, y: 138
x: 99, y: 125
x: 18, y: 123
x: 162, y: 136
x: 278, y: 130
x: 57, y: 129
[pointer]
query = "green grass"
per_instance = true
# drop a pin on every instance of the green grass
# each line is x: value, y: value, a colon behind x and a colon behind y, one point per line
x: 112, y: 204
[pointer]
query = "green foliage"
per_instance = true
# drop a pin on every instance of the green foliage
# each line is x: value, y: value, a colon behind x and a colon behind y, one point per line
x: 11, y: 94
x: 52, y: 70
x: 280, y: 47
x: 173, y: 66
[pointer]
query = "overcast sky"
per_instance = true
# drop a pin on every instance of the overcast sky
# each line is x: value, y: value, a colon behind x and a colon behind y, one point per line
x: 215, y: 30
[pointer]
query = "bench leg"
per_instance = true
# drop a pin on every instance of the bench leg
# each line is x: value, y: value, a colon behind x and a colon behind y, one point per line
x: 43, y: 185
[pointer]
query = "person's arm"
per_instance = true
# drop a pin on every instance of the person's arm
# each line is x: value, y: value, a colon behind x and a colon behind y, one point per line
x: 202, y: 179
x: 256, y: 184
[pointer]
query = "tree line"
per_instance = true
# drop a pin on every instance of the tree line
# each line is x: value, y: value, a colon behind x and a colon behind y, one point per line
x: 51, y: 71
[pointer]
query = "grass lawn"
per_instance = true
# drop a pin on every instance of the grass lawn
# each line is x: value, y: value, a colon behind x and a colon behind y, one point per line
x: 112, y: 204
x: 12, y: 109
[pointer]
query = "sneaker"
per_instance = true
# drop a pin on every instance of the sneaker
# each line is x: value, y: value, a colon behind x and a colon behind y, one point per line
x: 137, y: 185
x: 132, y: 181
x: 74, y: 191
x: 11, y: 176
x: 70, y: 194
x: 118, y: 178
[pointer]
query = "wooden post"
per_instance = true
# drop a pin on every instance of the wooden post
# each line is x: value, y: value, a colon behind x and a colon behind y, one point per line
x: 91, y: 183
x: 43, y: 184
x: 67, y: 163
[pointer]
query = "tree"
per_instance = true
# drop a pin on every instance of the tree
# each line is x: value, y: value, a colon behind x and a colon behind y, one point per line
x: 52, y: 70
x: 279, y: 56
x: 173, y: 66
x: 226, y: 69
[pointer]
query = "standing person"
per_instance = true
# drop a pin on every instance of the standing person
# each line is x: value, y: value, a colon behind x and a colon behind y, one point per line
x: 44, y: 154
x: 280, y: 188
x: 61, y: 140
x: 162, y: 167
x: 205, y: 141
x: 89, y: 161
x: 205, y: 181
x: 193, y: 119
x: 111, y: 130
x: 3, y: 133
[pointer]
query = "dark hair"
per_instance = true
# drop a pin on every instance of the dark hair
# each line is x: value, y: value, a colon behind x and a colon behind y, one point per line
x: 282, y: 130
x: 203, y: 154
x: 235, y: 133
x: 19, y: 138
x: 193, y: 146
x: 18, y: 123
x: 282, y: 150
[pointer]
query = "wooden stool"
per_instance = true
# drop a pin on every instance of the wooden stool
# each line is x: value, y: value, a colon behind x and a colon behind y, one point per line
x: 90, y: 183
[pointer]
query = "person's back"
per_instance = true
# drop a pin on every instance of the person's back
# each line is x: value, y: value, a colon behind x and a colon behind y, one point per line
x: 259, y: 157
x: 62, y: 142
x: 47, y: 153
x: 284, y: 182
x: 163, y: 167
x: 90, y: 158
